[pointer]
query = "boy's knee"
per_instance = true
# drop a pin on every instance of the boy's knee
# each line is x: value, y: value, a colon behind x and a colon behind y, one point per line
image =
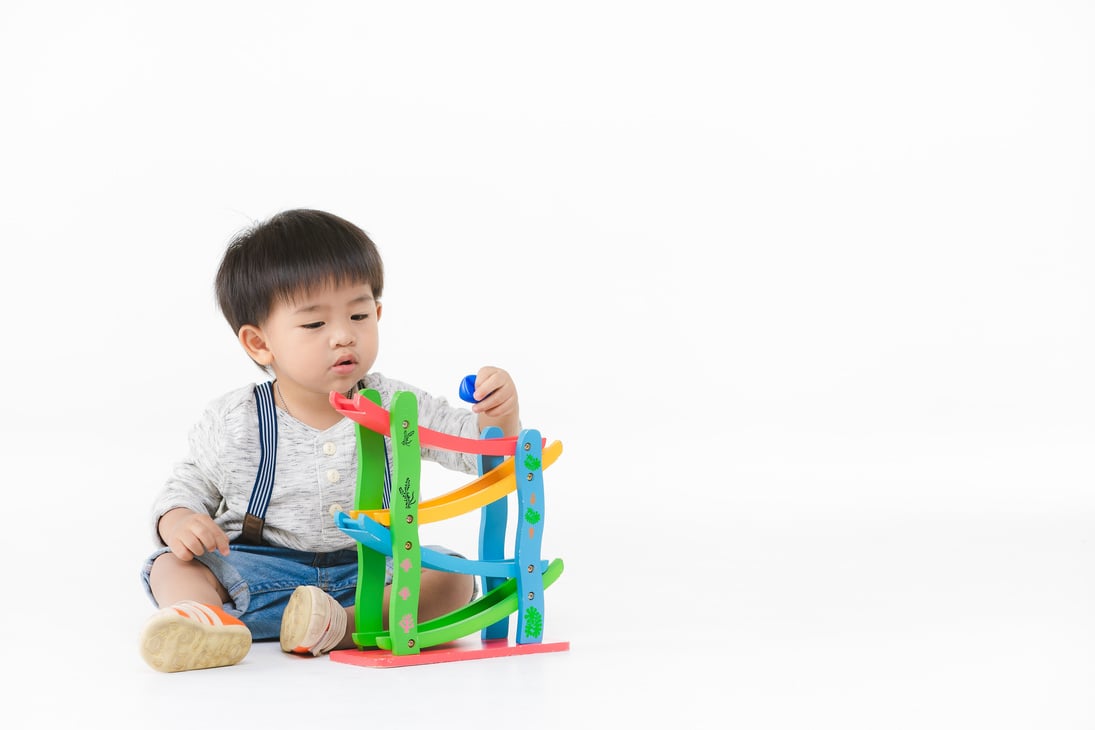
x: 450, y: 590
x: 169, y: 569
x: 459, y: 588
x: 163, y: 564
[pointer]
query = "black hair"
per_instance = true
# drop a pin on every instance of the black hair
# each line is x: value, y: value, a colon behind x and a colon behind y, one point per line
x: 292, y: 252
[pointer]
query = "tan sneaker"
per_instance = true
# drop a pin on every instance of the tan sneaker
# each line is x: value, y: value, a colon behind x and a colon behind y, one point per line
x: 191, y: 635
x: 313, y: 623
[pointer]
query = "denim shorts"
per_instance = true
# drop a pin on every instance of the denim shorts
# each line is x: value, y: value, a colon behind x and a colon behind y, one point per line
x: 260, y: 578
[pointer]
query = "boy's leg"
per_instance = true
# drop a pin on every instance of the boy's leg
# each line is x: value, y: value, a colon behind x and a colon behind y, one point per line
x: 442, y: 593
x: 172, y: 580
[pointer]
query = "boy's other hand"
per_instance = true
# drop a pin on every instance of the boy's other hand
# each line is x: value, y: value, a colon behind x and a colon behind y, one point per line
x: 190, y: 534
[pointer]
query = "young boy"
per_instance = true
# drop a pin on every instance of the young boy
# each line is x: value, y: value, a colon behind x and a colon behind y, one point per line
x: 249, y: 547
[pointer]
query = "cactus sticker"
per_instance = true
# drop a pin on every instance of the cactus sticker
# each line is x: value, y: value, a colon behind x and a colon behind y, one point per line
x: 407, y: 493
x: 534, y: 622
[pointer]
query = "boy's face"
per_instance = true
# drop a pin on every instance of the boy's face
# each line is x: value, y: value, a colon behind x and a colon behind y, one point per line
x: 325, y: 339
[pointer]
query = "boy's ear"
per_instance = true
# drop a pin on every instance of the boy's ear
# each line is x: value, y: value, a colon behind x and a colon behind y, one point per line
x: 379, y: 306
x: 254, y: 344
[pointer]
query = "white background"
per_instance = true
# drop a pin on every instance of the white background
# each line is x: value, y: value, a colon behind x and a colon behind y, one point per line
x: 803, y: 288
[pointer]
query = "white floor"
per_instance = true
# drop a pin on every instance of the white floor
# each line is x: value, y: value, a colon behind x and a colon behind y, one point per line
x: 776, y: 602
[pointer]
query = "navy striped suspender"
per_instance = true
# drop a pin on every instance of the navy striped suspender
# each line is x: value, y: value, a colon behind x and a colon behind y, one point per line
x: 255, y: 518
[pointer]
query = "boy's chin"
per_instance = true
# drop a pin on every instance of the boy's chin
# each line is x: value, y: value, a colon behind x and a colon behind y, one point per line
x: 347, y: 386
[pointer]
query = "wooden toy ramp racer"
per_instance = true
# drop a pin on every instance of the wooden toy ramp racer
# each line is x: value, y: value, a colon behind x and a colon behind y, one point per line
x: 512, y: 586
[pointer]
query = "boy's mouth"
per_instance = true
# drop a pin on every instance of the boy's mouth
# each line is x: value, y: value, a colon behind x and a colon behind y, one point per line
x: 344, y: 365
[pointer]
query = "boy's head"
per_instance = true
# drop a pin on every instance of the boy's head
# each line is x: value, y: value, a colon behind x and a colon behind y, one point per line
x: 292, y: 253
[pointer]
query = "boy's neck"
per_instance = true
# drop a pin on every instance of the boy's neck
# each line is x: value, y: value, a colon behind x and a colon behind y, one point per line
x: 307, y: 408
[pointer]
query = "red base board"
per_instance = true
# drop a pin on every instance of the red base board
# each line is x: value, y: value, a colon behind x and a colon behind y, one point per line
x: 457, y: 651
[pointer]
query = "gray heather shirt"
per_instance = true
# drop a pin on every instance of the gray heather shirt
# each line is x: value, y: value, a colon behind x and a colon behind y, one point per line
x: 316, y: 470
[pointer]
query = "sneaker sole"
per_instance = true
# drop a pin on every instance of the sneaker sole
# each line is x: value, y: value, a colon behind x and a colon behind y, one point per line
x: 173, y: 643
x: 304, y: 621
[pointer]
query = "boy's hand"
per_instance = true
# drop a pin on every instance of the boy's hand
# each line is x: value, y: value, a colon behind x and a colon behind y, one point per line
x: 497, y: 396
x: 189, y: 534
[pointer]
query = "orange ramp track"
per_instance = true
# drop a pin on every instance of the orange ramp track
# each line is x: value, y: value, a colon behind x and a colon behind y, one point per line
x: 496, y: 483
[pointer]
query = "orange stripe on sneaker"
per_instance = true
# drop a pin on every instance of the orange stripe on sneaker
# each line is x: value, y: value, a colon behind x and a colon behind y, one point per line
x: 225, y: 617
x: 203, y: 613
x: 195, y: 612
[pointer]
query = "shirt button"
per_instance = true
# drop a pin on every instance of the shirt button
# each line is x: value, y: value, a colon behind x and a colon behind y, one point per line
x: 333, y: 475
x: 329, y: 448
x: 335, y: 509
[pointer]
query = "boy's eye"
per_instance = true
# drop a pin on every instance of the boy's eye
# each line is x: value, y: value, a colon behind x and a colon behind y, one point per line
x: 359, y: 317
x: 312, y: 325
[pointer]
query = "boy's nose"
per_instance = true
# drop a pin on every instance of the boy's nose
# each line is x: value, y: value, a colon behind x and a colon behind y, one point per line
x: 343, y: 339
